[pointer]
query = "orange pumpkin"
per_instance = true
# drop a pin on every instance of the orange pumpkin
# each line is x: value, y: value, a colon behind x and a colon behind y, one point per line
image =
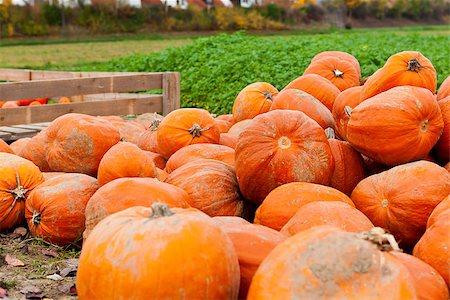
x: 129, y: 131
x: 160, y: 254
x: 402, y: 198
x: 157, y: 159
x: 442, y: 148
x: 404, y: 117
x: 162, y: 175
x: 447, y: 167
x: 351, y: 98
x: 186, y: 126
x: 63, y: 100
x: 229, y: 118
x: 18, y: 145
x: 317, y: 86
x: 441, y: 210
x: 372, y: 167
x: 237, y: 128
x: 200, y: 151
x: 404, y: 68
x: 76, y: 143
x: 229, y: 140
x: 211, y: 185
x: 252, y: 244
x: 4, y: 147
x: 223, y: 126
x: 341, y: 73
x: 18, y: 178
x: 149, y: 120
x: 10, y: 104
x: 341, y: 55
x: 298, y: 100
x: 148, y: 141
x: 284, y: 202
x: 253, y: 100
x: 125, y: 160
x: 35, y: 103
x: 444, y: 89
x: 55, y: 210
x: 49, y: 175
x: 279, y: 147
x: 34, y: 151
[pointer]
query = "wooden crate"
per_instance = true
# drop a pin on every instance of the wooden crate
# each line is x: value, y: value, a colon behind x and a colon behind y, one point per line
x: 93, y: 93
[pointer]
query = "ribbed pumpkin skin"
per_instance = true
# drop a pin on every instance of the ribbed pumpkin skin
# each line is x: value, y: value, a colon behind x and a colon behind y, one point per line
x: 325, y: 262
x: 442, y: 209
x: 228, y: 118
x: 444, y: 89
x: 34, y: 151
x: 186, y: 126
x: 317, y: 86
x: 123, y: 193
x: 129, y: 131
x: 157, y: 159
x: 136, y: 255
x: 55, y: 210
x: 211, y: 185
x: 252, y: 244
x: 283, y: 202
x: 49, y: 175
x: 402, y: 118
x: 299, y: 100
x: 442, y: 148
x: 402, y: 198
x: 148, y: 141
x: 396, y: 72
x: 18, y: 145
x: 350, y: 97
x: 279, y: 147
x: 4, y: 147
x: 229, y: 140
x: 200, y: 151
x: 125, y: 160
x: 339, y: 54
x: 341, y: 73
x: 447, y: 167
x: 332, y: 213
x: 238, y: 127
x: 429, y: 284
x: 222, y: 125
x: 12, y: 202
x: 76, y: 143
x: 162, y: 175
x: 253, y: 100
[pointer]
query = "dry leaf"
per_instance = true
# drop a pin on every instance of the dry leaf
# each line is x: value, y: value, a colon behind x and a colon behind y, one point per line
x: 49, y: 252
x: 54, y: 277
x: 69, y: 271
x: 21, y: 230
x: 12, y: 261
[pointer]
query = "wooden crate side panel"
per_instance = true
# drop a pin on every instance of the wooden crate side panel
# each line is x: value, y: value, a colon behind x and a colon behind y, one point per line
x: 171, y: 92
x: 15, y: 75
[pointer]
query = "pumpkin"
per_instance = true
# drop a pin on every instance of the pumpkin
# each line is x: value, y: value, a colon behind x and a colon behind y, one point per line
x: 55, y: 210
x: 333, y: 213
x: 229, y: 140
x: 34, y: 151
x: 125, y: 160
x: 111, y: 118
x: 253, y: 100
x: 211, y: 185
x: 158, y: 253
x: 325, y: 262
x: 149, y: 120
x: 279, y: 147
x: 123, y: 193
x: 237, y: 128
x: 4, y: 147
x: 162, y: 175
x: 442, y: 148
x: 18, y: 178
x: 148, y: 141
x: 186, y: 126
x: 157, y: 159
x: 76, y: 143
x: 63, y: 100
x: 200, y: 151
x: 341, y: 55
x: 444, y: 89
x: 10, y: 104
x: 404, y: 117
x: 252, y: 244
x: 447, y: 167
x: 405, y: 68
x: 317, y: 86
x: 223, y: 126
x: 372, y: 167
x: 229, y: 118
x: 341, y: 73
x: 283, y: 202
x: 442, y: 209
x: 49, y: 175
x: 18, y: 145
x: 402, y: 198
x: 298, y: 100
x: 35, y: 103
x: 348, y: 98
x: 129, y: 131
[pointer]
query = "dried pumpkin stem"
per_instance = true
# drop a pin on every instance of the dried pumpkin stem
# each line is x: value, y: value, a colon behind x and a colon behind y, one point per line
x: 378, y: 236
x: 330, y: 133
x: 338, y: 73
x: 268, y: 95
x: 414, y: 65
x: 196, y: 130
x: 19, y: 192
x: 155, y: 124
x: 161, y: 210
x: 348, y: 111
x: 36, y: 218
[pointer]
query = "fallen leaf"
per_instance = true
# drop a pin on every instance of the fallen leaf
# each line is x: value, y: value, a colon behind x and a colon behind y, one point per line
x: 24, y: 249
x: 73, y: 290
x: 30, y: 289
x: 3, y: 293
x: 12, y: 261
x: 34, y: 296
x: 21, y: 230
x: 54, y: 277
x: 49, y: 252
x: 69, y: 271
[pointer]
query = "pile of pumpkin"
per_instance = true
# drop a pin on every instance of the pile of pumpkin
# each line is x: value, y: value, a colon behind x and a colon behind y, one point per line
x: 277, y: 200
x: 31, y: 102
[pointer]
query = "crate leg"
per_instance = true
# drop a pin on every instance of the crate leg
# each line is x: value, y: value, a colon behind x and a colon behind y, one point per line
x: 171, y: 92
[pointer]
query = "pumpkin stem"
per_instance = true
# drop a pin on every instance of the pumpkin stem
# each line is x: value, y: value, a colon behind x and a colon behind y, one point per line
x: 424, y: 126
x: 196, y: 130
x: 161, y: 210
x: 330, y: 133
x: 378, y: 236
x: 36, y: 218
x: 338, y: 73
x: 414, y: 65
x: 348, y: 111
x: 154, y: 125
x: 268, y: 95
x: 19, y: 192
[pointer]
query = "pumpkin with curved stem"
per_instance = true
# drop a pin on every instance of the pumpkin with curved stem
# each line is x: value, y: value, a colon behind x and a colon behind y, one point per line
x: 341, y: 55
x: 4, y: 147
x: 223, y: 126
x: 341, y: 73
x: 299, y: 100
x: 18, y: 178
x: 237, y: 128
x: 149, y: 120
x: 229, y: 140
x: 34, y: 151
x: 279, y: 147
x: 404, y: 117
x: 391, y: 198
x: 283, y: 202
x: 442, y: 147
x: 129, y: 131
x: 348, y: 98
x: 18, y: 145
x: 186, y: 126
x: 165, y: 268
x: 55, y: 210
x: 317, y: 86
x: 148, y: 139
x: 444, y: 89
x: 253, y: 100
x: 405, y: 68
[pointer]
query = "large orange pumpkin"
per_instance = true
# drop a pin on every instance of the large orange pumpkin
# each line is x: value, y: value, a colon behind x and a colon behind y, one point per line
x: 149, y: 120
x: 148, y: 140
x: 186, y: 126
x: 238, y: 127
x: 293, y: 99
x: 229, y: 140
x: 447, y: 167
x: 348, y: 98
x: 252, y: 244
x: 55, y: 210
x: 442, y: 148
x: 4, y: 147
x: 404, y: 68
x: 49, y: 175
x: 444, y: 89
x: 223, y: 126
x: 284, y: 202
x: 211, y: 185
x: 253, y: 100
x: 341, y: 55
x: 317, y: 86
x: 442, y: 209
x: 157, y: 159
x: 325, y: 262
x: 341, y: 73
x: 34, y: 151
x: 18, y: 178
x: 279, y: 147
x: 402, y: 198
x: 129, y: 131
x: 76, y: 143
x: 228, y: 118
x: 18, y: 145
x: 158, y: 253
x: 404, y: 117
x: 123, y: 193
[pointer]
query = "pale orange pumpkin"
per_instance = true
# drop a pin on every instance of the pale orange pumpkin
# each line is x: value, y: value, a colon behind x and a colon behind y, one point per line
x: 341, y: 55
x: 237, y: 128
x: 444, y: 89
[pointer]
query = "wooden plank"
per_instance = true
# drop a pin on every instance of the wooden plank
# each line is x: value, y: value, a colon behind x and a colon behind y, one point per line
x: 30, y: 127
x: 171, y: 92
x: 79, y: 86
x: 17, y: 133
x: 5, y: 136
x: 46, y: 113
x: 15, y: 75
x: 45, y: 75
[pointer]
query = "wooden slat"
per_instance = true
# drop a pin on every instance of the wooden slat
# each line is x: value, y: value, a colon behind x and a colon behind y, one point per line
x: 17, y: 133
x: 45, y: 75
x: 30, y: 127
x: 171, y: 92
x: 5, y: 136
x: 15, y: 75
